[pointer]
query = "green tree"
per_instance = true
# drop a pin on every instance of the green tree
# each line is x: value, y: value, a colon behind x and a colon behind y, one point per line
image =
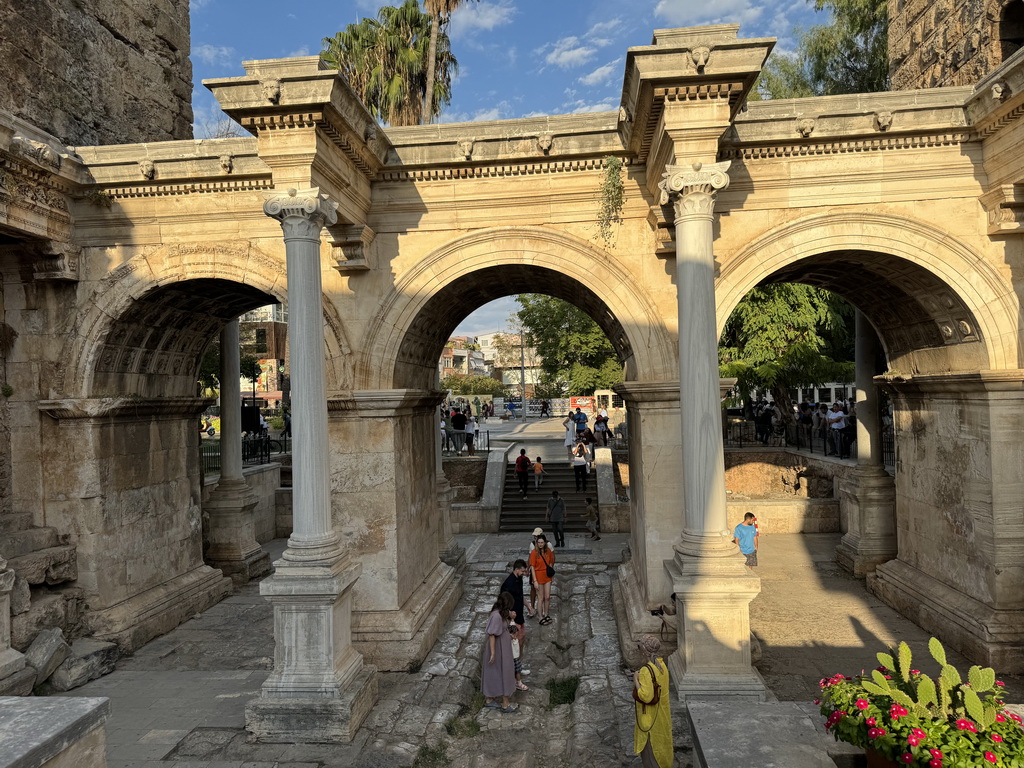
x: 249, y: 368
x: 440, y: 11
x: 847, y: 55
x: 385, y: 62
x: 473, y: 385
x: 785, y: 336
x: 572, y: 347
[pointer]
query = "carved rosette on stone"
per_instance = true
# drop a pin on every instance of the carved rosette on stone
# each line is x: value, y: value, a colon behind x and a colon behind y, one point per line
x: 693, y: 190
x: 302, y: 212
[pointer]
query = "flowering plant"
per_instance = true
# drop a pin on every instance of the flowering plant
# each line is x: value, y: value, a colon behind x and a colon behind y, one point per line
x: 911, y: 719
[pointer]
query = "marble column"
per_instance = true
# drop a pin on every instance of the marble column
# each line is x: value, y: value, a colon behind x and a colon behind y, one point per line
x: 869, y: 496
x: 320, y: 690
x: 233, y: 547
x: 713, y: 586
x: 15, y: 678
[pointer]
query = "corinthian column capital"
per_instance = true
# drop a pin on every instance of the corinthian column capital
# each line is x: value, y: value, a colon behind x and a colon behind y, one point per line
x: 302, y: 212
x: 693, y: 189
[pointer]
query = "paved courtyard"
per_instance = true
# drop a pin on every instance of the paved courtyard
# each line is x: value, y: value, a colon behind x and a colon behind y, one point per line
x: 179, y: 702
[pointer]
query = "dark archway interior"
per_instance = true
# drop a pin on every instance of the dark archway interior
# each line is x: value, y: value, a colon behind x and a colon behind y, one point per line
x: 427, y: 334
x: 154, y: 348
x: 922, y: 323
x: 1011, y: 29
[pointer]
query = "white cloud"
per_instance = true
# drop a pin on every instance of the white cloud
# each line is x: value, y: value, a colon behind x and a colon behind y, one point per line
x: 604, y: 27
x: 214, y: 54
x: 494, y: 113
x: 602, y: 75
x: 580, y: 106
x: 482, y: 16
x: 688, y: 13
x: 303, y: 51
x: 570, y: 52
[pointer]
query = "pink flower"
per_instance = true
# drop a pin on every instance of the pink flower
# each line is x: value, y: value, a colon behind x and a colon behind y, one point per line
x: 996, y: 737
x: 888, y: 677
x: 862, y: 704
x: 936, y: 763
x: 918, y: 732
x: 913, y: 740
x: 882, y: 669
x: 870, y: 721
x: 1015, y: 718
x: 915, y: 671
x: 935, y: 752
x: 1000, y: 718
x: 964, y: 725
x: 1000, y: 683
x: 896, y: 711
x: 874, y: 733
x: 906, y: 757
x: 991, y: 757
x: 817, y: 701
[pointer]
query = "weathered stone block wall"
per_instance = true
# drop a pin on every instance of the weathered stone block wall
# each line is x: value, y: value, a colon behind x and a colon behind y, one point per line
x: 265, y: 481
x: 944, y: 490
x: 756, y: 473
x: 936, y: 43
x: 98, y: 71
x: 466, y: 477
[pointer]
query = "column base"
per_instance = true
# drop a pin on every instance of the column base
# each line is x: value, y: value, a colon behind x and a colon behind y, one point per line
x: 870, y: 495
x: 314, y: 720
x: 713, y: 659
x: 985, y: 635
x: 241, y: 572
x: 633, y: 615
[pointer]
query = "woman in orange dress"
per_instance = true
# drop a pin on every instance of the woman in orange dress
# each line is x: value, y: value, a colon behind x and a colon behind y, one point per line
x: 542, y: 571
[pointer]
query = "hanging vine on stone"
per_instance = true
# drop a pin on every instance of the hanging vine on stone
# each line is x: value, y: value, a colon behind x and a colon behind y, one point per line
x: 612, y: 198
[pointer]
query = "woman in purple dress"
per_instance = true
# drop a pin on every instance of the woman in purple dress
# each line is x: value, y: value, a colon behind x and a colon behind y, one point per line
x: 498, y: 671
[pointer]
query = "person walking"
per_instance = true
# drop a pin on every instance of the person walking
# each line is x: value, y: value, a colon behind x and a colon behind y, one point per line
x: 652, y: 731
x: 580, y: 418
x: 837, y: 423
x: 513, y: 584
x: 542, y: 571
x: 498, y: 672
x: 471, y: 436
x: 746, y: 535
x: 580, y: 465
x: 538, y: 474
x: 556, y: 516
x: 459, y: 430
x: 531, y: 609
x: 590, y: 515
x: 523, y: 471
x: 570, y: 435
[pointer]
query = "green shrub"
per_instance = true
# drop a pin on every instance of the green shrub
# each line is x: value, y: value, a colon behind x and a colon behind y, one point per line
x: 562, y: 691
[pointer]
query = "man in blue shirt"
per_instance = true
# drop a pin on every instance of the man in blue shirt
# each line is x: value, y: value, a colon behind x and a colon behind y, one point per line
x: 745, y: 534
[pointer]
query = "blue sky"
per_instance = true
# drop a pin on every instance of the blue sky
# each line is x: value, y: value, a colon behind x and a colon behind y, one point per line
x: 516, y: 57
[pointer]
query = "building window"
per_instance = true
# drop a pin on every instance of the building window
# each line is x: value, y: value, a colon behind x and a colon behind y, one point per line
x: 261, y: 340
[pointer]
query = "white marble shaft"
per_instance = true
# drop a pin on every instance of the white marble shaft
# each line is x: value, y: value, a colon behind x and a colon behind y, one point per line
x: 869, y: 428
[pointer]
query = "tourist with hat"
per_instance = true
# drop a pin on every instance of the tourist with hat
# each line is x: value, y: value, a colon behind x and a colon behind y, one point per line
x: 652, y: 731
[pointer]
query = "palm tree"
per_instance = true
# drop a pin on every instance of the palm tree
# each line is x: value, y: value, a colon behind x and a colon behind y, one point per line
x: 385, y: 61
x: 440, y: 11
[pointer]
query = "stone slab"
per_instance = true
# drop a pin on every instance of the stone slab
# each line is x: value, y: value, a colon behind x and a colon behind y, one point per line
x: 36, y: 729
x: 89, y: 660
x: 47, y: 652
x: 773, y: 735
x: 20, y: 683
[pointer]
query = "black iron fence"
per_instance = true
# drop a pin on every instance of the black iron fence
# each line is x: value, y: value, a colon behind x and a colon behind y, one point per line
x: 256, y: 450
x: 803, y: 437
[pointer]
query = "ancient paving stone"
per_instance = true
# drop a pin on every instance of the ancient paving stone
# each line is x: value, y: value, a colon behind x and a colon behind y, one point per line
x: 47, y: 652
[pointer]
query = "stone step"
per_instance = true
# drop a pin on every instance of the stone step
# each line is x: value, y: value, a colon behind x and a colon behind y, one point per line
x: 52, y: 565
x: 21, y: 543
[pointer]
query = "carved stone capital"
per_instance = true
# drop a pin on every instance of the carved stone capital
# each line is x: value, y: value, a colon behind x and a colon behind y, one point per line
x: 302, y: 212
x: 58, y: 261
x: 693, y: 190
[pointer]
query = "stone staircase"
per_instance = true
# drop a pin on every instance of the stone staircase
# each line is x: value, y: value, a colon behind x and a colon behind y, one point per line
x: 519, y: 514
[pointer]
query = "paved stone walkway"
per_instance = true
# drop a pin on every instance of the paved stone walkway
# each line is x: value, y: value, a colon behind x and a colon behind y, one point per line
x: 179, y: 702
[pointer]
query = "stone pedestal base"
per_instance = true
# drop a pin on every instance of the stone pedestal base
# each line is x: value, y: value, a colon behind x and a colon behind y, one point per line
x: 233, y: 546
x: 985, y: 635
x: 869, y: 499
x: 396, y: 640
x: 134, y: 622
x: 713, y: 660
x: 633, y: 614
x: 312, y: 721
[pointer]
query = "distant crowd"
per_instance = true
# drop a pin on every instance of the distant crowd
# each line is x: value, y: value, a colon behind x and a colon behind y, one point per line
x: 836, y: 425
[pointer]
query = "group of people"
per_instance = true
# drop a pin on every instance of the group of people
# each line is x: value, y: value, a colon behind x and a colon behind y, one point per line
x: 835, y: 425
x: 504, y: 651
x: 458, y: 432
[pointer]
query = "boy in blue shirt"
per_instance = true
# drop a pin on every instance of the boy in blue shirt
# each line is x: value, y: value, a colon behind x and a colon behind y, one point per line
x: 745, y: 534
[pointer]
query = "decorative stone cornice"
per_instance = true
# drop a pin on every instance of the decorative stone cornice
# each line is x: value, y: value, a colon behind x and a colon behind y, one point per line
x: 497, y: 170
x: 1005, y: 208
x: 302, y: 212
x: 693, y: 190
x: 350, y: 247
x: 58, y: 261
x: 842, y: 146
x: 1011, y: 381
x: 124, y: 408
x: 377, y: 403
x: 189, y: 188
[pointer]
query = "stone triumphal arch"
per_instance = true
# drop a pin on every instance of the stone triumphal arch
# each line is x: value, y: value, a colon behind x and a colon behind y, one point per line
x: 122, y: 262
